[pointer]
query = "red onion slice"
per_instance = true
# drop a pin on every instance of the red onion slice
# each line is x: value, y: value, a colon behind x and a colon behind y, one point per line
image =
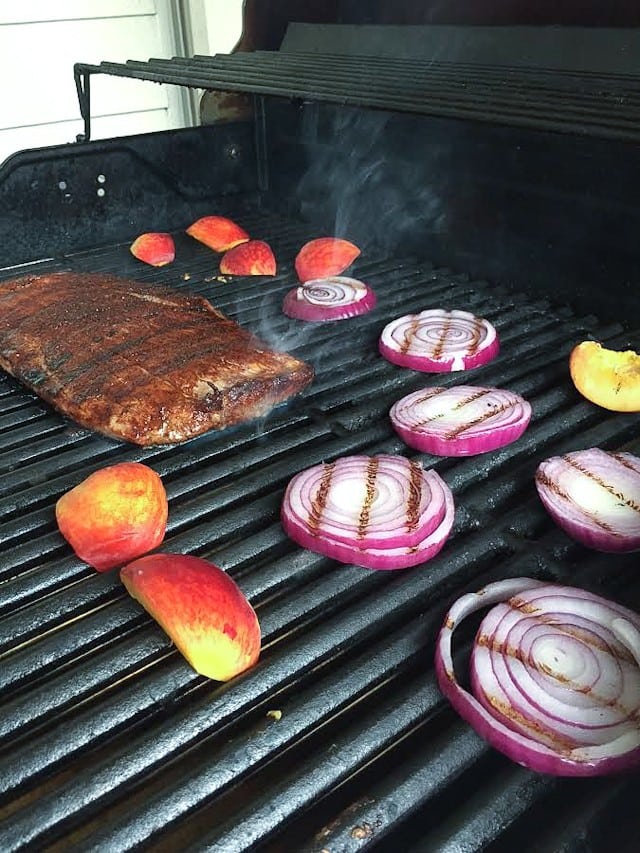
x: 460, y: 421
x: 381, y: 512
x: 377, y: 501
x: 439, y: 341
x: 334, y: 298
x: 594, y: 496
x: 555, y: 675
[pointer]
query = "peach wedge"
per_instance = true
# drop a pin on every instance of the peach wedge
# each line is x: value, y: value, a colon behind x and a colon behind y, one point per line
x: 324, y: 257
x: 202, y: 610
x: 155, y: 248
x: 217, y: 232
x: 113, y: 516
x: 251, y: 258
x: 608, y: 378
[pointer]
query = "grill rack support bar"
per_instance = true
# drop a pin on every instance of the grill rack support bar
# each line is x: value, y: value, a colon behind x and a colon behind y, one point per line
x: 82, y: 77
x: 262, y: 154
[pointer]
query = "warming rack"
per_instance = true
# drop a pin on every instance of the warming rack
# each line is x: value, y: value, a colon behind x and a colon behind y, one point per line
x: 603, y: 105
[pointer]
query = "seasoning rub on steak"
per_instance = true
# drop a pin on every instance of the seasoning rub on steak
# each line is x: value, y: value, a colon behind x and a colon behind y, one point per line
x: 139, y: 363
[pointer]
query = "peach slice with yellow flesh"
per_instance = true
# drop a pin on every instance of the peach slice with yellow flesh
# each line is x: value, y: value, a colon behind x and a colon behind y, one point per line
x: 155, y: 248
x: 202, y: 610
x: 324, y: 257
x: 608, y: 378
x: 218, y: 233
x: 113, y: 516
x: 251, y: 258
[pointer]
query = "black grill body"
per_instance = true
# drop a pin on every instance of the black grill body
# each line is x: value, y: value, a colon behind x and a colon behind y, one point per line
x: 339, y: 738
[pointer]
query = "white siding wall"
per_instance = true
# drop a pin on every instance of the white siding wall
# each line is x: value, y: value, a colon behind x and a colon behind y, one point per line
x: 214, y: 26
x: 41, y: 39
x: 39, y: 42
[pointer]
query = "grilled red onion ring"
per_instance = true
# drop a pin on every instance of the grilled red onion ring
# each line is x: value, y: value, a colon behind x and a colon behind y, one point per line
x: 439, y: 341
x: 380, y: 512
x: 594, y: 496
x: 555, y: 675
x: 333, y: 298
x: 460, y: 421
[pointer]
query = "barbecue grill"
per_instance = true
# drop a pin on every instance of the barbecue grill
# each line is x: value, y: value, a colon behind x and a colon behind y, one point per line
x: 507, y: 190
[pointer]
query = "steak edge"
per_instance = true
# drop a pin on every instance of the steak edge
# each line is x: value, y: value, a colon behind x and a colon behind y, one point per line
x: 145, y: 364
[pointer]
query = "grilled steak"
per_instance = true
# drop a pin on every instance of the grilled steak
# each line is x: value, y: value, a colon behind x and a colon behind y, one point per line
x: 139, y: 363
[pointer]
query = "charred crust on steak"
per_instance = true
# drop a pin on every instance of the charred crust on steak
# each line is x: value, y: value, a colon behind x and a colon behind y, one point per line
x: 140, y: 363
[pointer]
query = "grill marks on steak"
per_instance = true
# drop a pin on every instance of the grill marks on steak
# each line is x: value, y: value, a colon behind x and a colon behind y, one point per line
x: 148, y: 365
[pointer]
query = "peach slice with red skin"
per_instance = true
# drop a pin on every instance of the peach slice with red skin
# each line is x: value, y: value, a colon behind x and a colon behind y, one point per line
x: 251, y: 258
x: 202, y: 610
x: 155, y: 248
x: 113, y: 516
x: 324, y: 257
x: 217, y: 232
x: 609, y: 378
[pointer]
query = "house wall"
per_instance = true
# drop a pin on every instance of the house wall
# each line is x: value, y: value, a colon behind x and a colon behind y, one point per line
x: 40, y: 40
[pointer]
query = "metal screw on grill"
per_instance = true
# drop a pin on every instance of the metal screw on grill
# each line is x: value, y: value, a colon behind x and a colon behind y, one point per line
x: 64, y: 190
x: 233, y: 151
x: 101, y: 180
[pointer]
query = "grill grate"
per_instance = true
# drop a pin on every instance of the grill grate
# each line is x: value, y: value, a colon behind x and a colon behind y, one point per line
x: 108, y: 740
x: 600, y: 105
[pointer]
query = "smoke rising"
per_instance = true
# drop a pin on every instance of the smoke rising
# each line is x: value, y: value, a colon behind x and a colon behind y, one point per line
x: 361, y: 181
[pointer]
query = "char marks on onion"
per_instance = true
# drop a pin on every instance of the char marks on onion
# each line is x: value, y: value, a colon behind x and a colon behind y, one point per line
x: 555, y: 676
x: 439, y: 341
x: 460, y: 421
x: 381, y: 512
x: 594, y: 496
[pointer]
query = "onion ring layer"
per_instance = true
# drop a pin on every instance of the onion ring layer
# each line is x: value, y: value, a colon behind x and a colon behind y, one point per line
x: 334, y: 298
x: 555, y: 675
x: 439, y: 341
x: 383, y: 512
x: 594, y: 496
x: 460, y: 421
